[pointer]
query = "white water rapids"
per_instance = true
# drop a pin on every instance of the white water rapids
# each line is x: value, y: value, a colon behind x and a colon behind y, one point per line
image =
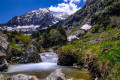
x: 50, y: 57
x: 46, y: 67
x: 49, y: 62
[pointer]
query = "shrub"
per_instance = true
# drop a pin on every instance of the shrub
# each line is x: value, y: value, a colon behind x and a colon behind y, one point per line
x: 15, y: 50
x: 95, y: 28
x: 53, y: 37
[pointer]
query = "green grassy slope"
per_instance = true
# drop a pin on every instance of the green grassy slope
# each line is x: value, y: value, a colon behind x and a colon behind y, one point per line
x: 99, y: 48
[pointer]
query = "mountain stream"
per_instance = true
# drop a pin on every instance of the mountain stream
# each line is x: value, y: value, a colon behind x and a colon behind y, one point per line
x: 44, y: 68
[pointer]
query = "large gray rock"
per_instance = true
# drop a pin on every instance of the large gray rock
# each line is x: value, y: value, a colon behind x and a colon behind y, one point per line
x: 1, y: 77
x: 23, y: 77
x: 3, y: 50
x: 57, y: 75
x: 3, y: 43
x: 3, y: 64
x: 31, y: 55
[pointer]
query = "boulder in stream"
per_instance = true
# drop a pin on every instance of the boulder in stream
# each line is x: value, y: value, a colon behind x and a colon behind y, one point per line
x: 31, y: 55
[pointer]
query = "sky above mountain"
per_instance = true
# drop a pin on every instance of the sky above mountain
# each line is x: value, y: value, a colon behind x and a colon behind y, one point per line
x: 11, y: 8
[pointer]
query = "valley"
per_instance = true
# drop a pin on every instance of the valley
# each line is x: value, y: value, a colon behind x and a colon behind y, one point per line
x: 81, y: 46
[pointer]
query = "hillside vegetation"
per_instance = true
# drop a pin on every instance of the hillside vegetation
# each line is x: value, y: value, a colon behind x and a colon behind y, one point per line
x: 90, y: 10
x: 99, y: 49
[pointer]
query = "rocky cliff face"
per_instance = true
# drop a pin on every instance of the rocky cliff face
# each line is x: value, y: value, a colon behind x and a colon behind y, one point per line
x: 3, y: 43
x: 3, y: 51
x: 84, y: 15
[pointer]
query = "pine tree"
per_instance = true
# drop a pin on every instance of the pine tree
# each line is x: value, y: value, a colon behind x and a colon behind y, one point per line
x: 48, y: 29
x: 62, y: 31
x: 46, y: 41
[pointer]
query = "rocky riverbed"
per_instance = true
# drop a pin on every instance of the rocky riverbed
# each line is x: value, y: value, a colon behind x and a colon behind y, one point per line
x: 45, y: 70
x: 58, y: 74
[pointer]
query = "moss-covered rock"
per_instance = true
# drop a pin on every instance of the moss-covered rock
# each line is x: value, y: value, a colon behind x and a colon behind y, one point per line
x: 31, y: 55
x: 67, y: 59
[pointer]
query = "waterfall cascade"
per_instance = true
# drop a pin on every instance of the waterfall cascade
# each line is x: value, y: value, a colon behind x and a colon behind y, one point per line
x: 47, y: 66
x: 49, y: 62
x: 49, y: 57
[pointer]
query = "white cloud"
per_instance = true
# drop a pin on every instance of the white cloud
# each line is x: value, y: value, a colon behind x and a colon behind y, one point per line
x: 72, y: 0
x: 65, y: 0
x: 69, y: 6
x: 84, y: 0
x: 75, y: 0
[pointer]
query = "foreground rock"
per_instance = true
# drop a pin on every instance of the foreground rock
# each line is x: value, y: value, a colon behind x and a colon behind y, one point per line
x: 56, y: 75
x: 1, y: 77
x: 3, y: 43
x: 31, y: 56
x: 3, y: 64
x: 23, y: 77
x: 3, y: 51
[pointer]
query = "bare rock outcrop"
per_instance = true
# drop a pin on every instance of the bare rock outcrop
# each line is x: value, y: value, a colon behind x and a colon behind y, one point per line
x: 3, y: 50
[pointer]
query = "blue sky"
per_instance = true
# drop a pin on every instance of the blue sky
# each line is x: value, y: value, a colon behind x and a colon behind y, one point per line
x: 11, y: 8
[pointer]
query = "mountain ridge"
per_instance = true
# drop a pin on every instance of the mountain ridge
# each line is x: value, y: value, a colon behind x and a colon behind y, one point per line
x: 41, y: 17
x: 85, y: 14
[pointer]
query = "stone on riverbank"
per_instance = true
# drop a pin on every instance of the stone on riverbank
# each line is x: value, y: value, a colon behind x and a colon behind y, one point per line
x: 57, y: 75
x: 1, y: 77
x: 23, y: 77
x: 3, y: 64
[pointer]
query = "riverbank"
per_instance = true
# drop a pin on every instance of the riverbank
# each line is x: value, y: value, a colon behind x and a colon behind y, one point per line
x: 70, y: 73
x: 45, y: 68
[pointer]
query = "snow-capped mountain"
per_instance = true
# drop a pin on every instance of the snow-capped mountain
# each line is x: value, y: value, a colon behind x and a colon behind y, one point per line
x: 39, y: 19
x: 60, y: 15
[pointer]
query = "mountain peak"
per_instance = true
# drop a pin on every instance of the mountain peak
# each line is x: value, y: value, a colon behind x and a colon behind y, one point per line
x: 44, y: 9
x: 41, y: 17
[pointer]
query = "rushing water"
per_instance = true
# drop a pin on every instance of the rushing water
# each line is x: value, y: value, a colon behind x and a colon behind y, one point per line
x: 49, y: 62
x: 49, y: 57
x: 48, y: 65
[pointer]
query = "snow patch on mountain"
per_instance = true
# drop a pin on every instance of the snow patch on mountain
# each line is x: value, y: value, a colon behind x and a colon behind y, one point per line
x: 23, y: 28
x: 86, y: 27
x: 71, y: 37
x: 60, y: 15
x: 28, y: 26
